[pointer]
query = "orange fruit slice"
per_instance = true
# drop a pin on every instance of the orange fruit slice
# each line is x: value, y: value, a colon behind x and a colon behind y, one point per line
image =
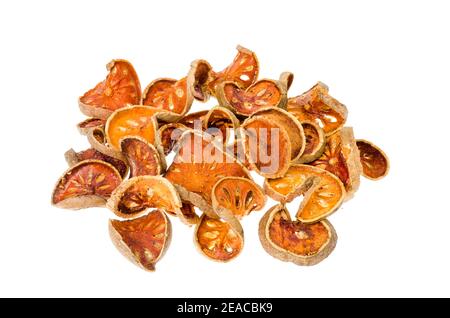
x: 222, y: 123
x: 375, y: 163
x: 86, y: 125
x: 314, y: 142
x: 169, y: 135
x: 143, y: 158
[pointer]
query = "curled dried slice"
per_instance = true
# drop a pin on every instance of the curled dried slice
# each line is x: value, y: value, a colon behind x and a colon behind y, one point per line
x: 87, y: 184
x: 218, y: 240
x: 238, y: 196
x: 197, y: 166
x: 244, y: 102
x: 143, y: 158
x: 199, y: 76
x: 143, y: 240
x: 136, y: 195
x: 132, y: 121
x: 316, y: 105
x: 267, y: 147
x: 323, y: 192
x: 237, y: 150
x: 341, y: 157
x: 314, y: 142
x: 86, y: 125
x: 286, y: 79
x: 220, y: 119
x: 375, y: 163
x: 293, y: 241
x: 169, y: 134
x: 97, y: 139
x: 120, y: 88
x: 188, y: 215
x: 73, y: 158
x: 169, y: 94
x: 292, y: 126
x: 194, y: 120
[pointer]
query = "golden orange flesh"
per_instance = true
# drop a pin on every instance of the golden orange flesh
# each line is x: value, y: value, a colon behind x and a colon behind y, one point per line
x: 167, y: 94
x: 142, y: 157
x: 218, y: 240
x: 145, y: 236
x: 87, y: 178
x: 91, y: 153
x: 219, y: 120
x: 296, y: 237
x: 194, y: 120
x: 374, y: 162
x: 312, y: 139
x: 120, y: 88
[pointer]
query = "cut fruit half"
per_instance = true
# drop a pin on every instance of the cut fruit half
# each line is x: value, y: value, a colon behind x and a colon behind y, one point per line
x: 199, y: 76
x: 314, y: 142
x: 375, y: 163
x: 221, y: 122
x: 169, y: 135
x: 286, y: 79
x: 97, y: 139
x: 86, y: 125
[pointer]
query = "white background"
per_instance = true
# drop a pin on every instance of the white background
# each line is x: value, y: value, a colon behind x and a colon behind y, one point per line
x: 388, y: 61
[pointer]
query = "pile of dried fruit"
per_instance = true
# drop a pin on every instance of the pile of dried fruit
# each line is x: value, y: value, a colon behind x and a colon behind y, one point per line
x: 298, y: 144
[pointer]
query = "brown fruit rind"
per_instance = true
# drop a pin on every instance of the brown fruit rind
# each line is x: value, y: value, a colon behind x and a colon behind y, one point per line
x: 199, y: 76
x: 375, y: 163
x: 169, y: 134
x: 86, y: 125
x: 97, y: 139
x: 314, y: 142
x: 302, y: 237
x: 286, y: 79
x: 221, y: 118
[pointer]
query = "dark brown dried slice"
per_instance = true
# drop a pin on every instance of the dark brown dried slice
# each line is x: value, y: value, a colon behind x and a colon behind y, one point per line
x: 218, y: 240
x: 188, y: 215
x: 375, y: 163
x: 293, y: 241
x: 87, y: 184
x: 314, y: 142
x: 169, y: 134
x: 220, y: 122
x: 286, y: 79
x: 139, y: 194
x: 194, y: 120
x: 199, y: 76
x: 86, y: 125
x: 318, y: 106
x: 97, y: 139
x: 120, y: 88
x: 143, y: 240
x: 143, y: 158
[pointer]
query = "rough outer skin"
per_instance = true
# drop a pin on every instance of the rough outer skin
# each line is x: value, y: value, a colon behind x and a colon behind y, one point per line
x: 102, y: 147
x: 199, y: 76
x: 287, y: 256
x: 226, y: 113
x: 382, y: 153
x: 306, y: 158
x: 351, y: 154
x: 85, y: 130
x: 286, y: 79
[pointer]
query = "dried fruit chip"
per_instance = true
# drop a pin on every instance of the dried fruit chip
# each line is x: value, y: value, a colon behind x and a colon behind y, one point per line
x: 293, y: 241
x: 87, y: 184
x: 120, y: 88
x: 237, y: 150
x: 86, y: 125
x: 143, y: 240
x: 218, y: 240
x: 341, y: 157
x: 169, y: 134
x: 316, y: 105
x: 194, y: 120
x: 375, y: 163
x: 143, y: 158
x: 199, y: 76
x: 188, y: 215
x: 97, y: 140
x: 220, y: 119
x: 244, y: 102
x: 238, y: 196
x: 314, y: 142
x: 136, y: 195
x: 267, y: 147
x: 323, y: 192
x: 132, y: 121
x: 286, y: 79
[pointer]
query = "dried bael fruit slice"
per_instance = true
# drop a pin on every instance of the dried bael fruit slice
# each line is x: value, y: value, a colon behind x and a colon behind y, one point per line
x: 341, y: 157
x: 293, y: 241
x: 375, y: 163
x: 218, y: 240
x: 243, y: 71
x: 194, y: 120
x: 169, y: 134
x: 314, y: 142
x: 86, y: 125
x: 169, y: 94
x: 244, y: 102
x: 323, y: 192
x: 316, y: 105
x: 286, y: 79
x: 97, y: 139
x: 197, y: 166
x: 222, y: 123
x: 292, y: 126
x: 136, y: 195
x: 132, y: 121
x: 143, y: 240
x: 143, y: 158
x: 199, y: 76
x: 267, y: 147
x: 238, y: 196
x: 188, y: 215
x: 120, y: 88
x: 73, y: 158
x: 87, y: 184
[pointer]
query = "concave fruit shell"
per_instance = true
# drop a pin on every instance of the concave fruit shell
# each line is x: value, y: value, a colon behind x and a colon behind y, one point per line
x: 238, y: 196
x: 244, y: 102
x: 72, y: 158
x: 314, y: 142
x: 341, y: 157
x: 169, y: 135
x: 267, y: 147
x: 286, y: 79
x: 86, y: 184
x: 143, y: 240
x: 97, y: 139
x: 318, y: 106
x: 169, y: 94
x: 188, y: 215
x: 223, y: 120
x: 243, y: 71
x: 323, y: 192
x: 86, y: 125
x: 197, y: 166
x: 137, y: 195
x: 219, y: 240
x: 294, y: 241
x: 199, y: 76
x: 120, y: 88
x: 292, y: 126
x: 194, y: 120
x: 143, y: 158
x: 375, y: 163
x: 132, y: 121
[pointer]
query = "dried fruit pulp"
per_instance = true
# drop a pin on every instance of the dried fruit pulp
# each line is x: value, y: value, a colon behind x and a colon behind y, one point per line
x: 168, y: 94
x: 314, y: 142
x: 92, y: 153
x: 374, y: 162
x: 142, y: 157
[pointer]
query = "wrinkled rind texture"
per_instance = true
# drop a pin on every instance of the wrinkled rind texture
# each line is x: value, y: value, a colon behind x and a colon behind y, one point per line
x: 375, y: 163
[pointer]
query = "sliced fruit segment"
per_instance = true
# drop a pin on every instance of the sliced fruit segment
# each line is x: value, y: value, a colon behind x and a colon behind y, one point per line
x: 169, y: 134
x: 375, y: 163
x: 286, y: 79
x: 194, y: 120
x: 86, y: 125
x: 314, y: 142
x: 222, y: 123
x: 143, y: 158
x: 199, y: 76
x: 294, y: 241
x: 87, y: 184
x: 97, y: 139
x: 143, y: 240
